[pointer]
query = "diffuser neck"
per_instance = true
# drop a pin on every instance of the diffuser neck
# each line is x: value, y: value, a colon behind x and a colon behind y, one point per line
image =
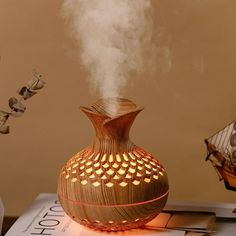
x: 112, y: 128
x: 112, y: 145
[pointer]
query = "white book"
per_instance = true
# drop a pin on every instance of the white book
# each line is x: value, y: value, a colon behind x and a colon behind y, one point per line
x: 225, y: 210
x: 45, y: 216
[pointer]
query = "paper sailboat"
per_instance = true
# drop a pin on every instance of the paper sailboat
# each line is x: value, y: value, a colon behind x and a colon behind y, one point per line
x: 222, y: 154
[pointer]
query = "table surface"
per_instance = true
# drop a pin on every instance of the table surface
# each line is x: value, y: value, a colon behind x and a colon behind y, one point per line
x: 8, y: 221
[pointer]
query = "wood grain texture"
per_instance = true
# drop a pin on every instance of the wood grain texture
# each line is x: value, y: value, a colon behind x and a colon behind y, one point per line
x: 113, y: 184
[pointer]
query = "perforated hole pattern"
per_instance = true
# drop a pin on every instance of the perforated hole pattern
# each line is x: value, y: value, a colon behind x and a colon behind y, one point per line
x: 95, y: 168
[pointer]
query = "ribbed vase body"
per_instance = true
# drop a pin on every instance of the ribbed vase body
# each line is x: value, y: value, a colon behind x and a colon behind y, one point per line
x: 113, y: 184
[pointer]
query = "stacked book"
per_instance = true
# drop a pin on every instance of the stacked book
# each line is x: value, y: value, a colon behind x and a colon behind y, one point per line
x: 45, y: 216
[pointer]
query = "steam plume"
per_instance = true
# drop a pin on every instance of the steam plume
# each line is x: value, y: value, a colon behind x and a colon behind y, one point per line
x: 113, y: 36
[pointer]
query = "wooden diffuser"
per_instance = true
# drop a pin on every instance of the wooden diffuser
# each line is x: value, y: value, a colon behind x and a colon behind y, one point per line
x: 112, y: 184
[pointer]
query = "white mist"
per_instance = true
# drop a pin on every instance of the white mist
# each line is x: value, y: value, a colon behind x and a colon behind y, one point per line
x: 113, y: 36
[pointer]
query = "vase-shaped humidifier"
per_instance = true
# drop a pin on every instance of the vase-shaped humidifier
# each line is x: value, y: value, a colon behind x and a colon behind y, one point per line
x: 112, y: 184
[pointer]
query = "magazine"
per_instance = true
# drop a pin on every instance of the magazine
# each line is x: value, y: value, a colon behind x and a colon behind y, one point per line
x: 45, y: 216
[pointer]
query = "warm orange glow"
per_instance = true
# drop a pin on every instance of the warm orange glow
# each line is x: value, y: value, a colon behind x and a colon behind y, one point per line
x: 91, y: 156
x: 99, y: 171
x: 135, y: 167
x: 140, y: 167
x: 115, y: 165
x: 88, y: 163
x: 123, y: 184
x: 140, y: 161
x: 147, y: 180
x: 110, y: 172
x: 104, y: 157
x: 111, y: 159
x: 92, y: 176
x: 105, y: 165
x: 89, y: 170
x: 84, y: 182
x: 96, y: 164
x: 118, y: 158
x: 128, y: 176
x: 133, y: 163
x: 131, y: 170
x: 153, y: 163
x: 124, y: 164
x: 145, y: 159
x: 136, y: 154
x: 116, y: 177
x: 148, y: 166
x: 121, y: 172
x: 132, y: 156
x: 109, y: 184
x: 96, y: 184
x: 74, y: 180
x: 136, y: 182
x: 75, y: 165
x: 125, y: 157
x: 96, y: 158
x: 155, y: 176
